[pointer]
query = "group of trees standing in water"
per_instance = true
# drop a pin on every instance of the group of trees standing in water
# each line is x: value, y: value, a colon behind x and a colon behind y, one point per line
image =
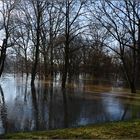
x: 43, y: 37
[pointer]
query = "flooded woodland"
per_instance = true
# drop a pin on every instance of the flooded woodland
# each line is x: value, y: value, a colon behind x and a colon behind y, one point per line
x: 68, y: 63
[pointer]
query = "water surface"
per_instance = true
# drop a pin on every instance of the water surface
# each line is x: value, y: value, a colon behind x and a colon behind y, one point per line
x: 45, y: 106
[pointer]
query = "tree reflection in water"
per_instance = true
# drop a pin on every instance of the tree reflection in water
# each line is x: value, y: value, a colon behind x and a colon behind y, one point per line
x: 46, y: 106
x: 3, y: 111
x: 65, y: 105
x: 50, y: 106
x: 131, y: 109
x: 35, y: 107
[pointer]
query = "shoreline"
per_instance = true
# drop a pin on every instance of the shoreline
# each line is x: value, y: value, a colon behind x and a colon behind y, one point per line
x: 129, y: 129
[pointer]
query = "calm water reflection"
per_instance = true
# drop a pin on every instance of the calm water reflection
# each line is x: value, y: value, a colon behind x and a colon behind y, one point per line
x: 45, y: 106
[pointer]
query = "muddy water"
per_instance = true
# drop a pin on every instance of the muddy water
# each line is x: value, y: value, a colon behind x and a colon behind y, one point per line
x: 45, y: 106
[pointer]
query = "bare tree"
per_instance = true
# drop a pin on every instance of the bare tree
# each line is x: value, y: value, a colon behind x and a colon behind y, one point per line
x: 73, y: 12
x: 49, y: 33
x: 34, y: 12
x: 7, y: 13
x: 120, y: 18
x: 21, y: 40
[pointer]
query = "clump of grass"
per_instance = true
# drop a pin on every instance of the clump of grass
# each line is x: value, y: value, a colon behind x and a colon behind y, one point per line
x: 112, y: 130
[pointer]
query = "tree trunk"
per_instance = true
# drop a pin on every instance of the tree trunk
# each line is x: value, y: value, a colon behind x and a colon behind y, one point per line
x: 129, y: 79
x: 3, y: 56
x: 133, y: 88
x: 65, y: 69
x: 26, y: 64
x: 51, y: 61
x: 67, y: 35
x: 34, y: 68
x: 45, y: 67
x: 138, y: 59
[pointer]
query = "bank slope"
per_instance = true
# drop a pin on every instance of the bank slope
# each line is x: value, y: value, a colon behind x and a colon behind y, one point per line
x: 112, y: 130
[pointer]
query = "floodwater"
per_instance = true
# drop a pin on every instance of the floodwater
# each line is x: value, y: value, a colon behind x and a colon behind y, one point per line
x: 45, y: 106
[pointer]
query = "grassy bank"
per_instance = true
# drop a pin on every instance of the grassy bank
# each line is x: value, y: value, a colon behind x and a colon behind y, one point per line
x: 113, y: 130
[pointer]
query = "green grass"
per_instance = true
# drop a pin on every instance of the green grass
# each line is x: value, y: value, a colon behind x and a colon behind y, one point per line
x: 113, y: 130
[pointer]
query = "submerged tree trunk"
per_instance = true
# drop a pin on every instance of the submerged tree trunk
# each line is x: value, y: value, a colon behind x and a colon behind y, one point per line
x: 45, y: 67
x: 130, y: 79
x: 133, y: 87
x: 34, y: 69
x: 52, y: 61
x: 65, y: 68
